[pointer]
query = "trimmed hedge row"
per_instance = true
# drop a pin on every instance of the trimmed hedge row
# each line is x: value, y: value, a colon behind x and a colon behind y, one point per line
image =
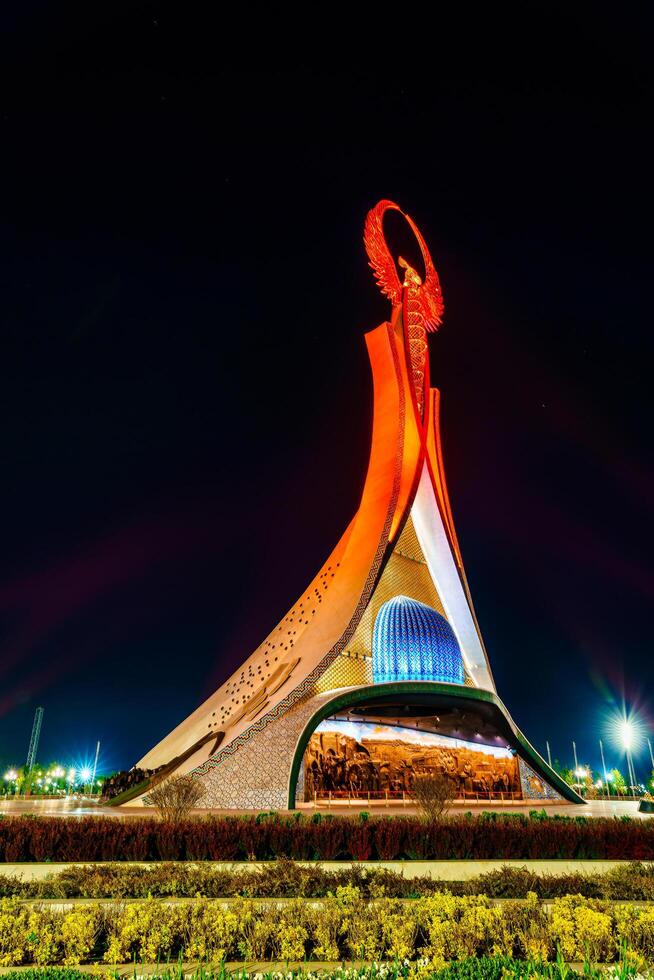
x: 286, y: 879
x: 268, y: 836
x: 437, y: 929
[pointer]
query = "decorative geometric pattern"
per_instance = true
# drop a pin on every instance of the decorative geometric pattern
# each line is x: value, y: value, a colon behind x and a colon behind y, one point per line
x: 406, y: 573
x: 257, y: 775
x: 348, y: 670
x: 533, y: 787
x: 412, y: 642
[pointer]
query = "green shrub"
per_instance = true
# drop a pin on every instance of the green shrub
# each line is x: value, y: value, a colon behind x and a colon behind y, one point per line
x: 288, y: 879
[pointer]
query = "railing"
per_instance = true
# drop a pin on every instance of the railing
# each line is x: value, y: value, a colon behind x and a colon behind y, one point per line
x: 354, y: 797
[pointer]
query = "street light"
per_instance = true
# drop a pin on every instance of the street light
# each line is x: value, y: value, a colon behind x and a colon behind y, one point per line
x: 628, y: 731
x: 581, y: 773
x: 85, y: 776
x: 627, y: 734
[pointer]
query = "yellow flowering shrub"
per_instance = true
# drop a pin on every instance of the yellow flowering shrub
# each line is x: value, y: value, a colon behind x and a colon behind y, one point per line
x: 291, y: 933
x: 325, y: 930
x: 79, y: 931
x: 13, y: 932
x: 438, y: 917
x: 438, y: 929
x: 635, y: 927
x: 361, y: 924
x: 582, y: 929
x: 210, y: 932
x: 256, y: 930
x: 522, y: 929
x: 44, y: 934
x: 398, y: 928
x: 148, y: 931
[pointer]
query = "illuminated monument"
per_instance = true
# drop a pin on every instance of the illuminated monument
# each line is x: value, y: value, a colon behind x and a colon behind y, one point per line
x: 378, y: 674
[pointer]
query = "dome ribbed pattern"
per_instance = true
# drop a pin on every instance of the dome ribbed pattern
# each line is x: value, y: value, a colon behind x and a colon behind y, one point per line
x: 413, y: 642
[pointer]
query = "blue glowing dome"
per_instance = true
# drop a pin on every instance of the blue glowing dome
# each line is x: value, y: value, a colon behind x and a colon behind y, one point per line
x: 413, y: 642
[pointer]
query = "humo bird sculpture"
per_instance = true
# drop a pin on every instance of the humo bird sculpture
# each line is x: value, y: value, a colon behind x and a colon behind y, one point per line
x: 421, y: 302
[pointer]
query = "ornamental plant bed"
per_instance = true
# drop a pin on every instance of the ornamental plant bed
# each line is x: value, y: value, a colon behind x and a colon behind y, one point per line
x: 469, y: 968
x: 435, y: 930
x: 270, y: 836
x: 286, y: 879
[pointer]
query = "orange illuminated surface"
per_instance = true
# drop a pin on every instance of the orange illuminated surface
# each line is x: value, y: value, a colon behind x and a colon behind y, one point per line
x: 400, y: 541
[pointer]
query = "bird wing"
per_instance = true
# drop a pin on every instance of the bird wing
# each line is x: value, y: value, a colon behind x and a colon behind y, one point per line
x: 430, y: 293
x: 381, y: 260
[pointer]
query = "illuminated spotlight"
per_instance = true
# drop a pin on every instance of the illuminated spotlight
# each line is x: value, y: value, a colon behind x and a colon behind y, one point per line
x: 85, y: 774
x: 11, y: 774
x: 628, y: 730
x: 71, y: 775
x: 581, y: 772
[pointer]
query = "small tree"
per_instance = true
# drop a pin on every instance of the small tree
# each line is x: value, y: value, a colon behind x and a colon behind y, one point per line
x: 567, y: 775
x: 434, y: 794
x: 618, y: 782
x: 174, y: 798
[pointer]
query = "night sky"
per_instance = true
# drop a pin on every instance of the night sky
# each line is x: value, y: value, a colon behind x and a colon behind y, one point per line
x: 185, y: 399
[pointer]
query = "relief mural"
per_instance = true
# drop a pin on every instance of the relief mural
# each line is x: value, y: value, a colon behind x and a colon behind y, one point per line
x: 380, y: 761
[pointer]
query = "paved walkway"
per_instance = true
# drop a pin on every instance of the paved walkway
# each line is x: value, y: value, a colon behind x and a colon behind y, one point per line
x: 81, y: 807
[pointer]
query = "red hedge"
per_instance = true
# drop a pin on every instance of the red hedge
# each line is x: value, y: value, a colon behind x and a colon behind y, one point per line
x: 322, y: 838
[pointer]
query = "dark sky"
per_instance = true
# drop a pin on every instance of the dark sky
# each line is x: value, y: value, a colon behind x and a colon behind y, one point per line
x: 185, y: 400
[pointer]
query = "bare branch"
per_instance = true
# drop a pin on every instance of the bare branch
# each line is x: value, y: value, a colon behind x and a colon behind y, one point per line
x: 176, y: 797
x: 434, y: 794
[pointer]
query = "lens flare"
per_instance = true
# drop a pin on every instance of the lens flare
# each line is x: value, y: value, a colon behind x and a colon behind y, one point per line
x: 627, y: 730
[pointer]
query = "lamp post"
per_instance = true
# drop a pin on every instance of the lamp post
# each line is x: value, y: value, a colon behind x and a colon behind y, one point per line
x: 581, y: 773
x: 627, y: 736
x: 10, y: 777
x: 606, y: 778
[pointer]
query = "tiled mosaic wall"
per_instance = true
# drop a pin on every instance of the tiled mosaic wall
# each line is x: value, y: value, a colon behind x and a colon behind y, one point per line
x: 533, y: 787
x: 257, y: 775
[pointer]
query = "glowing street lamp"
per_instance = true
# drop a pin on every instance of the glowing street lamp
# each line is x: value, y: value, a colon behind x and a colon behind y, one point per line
x: 581, y: 773
x: 628, y: 733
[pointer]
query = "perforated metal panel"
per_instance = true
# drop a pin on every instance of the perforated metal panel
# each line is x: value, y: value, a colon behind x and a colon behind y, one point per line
x: 406, y: 573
